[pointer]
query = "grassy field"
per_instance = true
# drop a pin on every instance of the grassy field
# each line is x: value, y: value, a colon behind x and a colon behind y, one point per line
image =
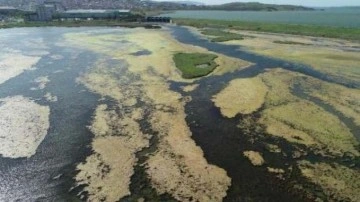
x: 308, y: 30
x: 290, y: 43
x: 221, y: 36
x: 193, y: 65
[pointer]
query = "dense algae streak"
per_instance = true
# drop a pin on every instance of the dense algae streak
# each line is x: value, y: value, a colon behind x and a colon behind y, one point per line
x: 312, y: 115
x: 177, y: 167
x: 304, y: 136
x: 11, y: 65
x: 241, y: 96
x: 107, y: 172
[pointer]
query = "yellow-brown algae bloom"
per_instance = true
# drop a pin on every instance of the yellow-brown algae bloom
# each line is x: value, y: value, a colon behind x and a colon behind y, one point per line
x: 24, y: 125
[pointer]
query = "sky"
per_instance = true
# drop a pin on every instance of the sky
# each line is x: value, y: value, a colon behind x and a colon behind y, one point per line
x: 314, y: 3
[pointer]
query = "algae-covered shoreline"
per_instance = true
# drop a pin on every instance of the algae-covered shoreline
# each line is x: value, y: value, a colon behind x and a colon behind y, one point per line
x: 179, y: 139
x: 284, y: 86
x: 278, y: 28
x: 47, y: 174
x: 170, y: 169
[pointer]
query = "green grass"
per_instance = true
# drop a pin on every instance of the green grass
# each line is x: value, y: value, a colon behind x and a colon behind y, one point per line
x: 221, y: 36
x: 188, y: 64
x: 291, y: 42
x: 308, y: 30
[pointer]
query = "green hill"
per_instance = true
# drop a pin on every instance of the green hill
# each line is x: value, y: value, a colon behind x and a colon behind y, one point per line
x: 254, y: 6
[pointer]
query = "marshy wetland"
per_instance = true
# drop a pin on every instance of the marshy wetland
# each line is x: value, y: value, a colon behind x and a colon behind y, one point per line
x: 104, y: 114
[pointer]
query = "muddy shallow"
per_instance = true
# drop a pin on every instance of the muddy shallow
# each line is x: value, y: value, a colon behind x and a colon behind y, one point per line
x: 123, y: 124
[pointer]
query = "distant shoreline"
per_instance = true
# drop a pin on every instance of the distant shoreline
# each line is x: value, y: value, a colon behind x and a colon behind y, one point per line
x: 337, y: 17
x: 295, y: 29
x: 93, y: 23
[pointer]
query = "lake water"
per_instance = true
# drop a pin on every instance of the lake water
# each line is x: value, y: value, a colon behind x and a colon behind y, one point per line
x: 49, y: 174
x: 341, y: 17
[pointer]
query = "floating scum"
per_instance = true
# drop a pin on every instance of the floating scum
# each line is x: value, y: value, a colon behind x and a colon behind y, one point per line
x: 241, y: 96
x: 141, y: 86
x: 337, y: 58
x: 299, y: 121
x: 13, y: 64
x: 24, y: 125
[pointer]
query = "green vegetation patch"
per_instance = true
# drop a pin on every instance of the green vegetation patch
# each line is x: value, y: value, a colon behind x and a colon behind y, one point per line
x: 221, y: 36
x: 291, y: 43
x: 255, y: 6
x: 308, y: 30
x: 193, y: 65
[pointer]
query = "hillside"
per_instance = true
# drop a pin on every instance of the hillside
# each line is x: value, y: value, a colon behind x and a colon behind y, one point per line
x: 77, y: 4
x: 254, y: 6
x: 151, y: 5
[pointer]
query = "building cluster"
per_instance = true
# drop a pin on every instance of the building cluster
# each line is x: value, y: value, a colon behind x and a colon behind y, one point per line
x: 159, y: 19
x: 54, y: 10
x: 8, y: 13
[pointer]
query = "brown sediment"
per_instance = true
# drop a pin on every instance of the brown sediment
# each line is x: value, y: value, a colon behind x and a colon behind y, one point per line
x: 107, y: 172
x: 338, y: 182
x: 177, y: 164
x: 241, y: 96
x: 13, y: 64
x: 24, y: 125
x: 254, y: 157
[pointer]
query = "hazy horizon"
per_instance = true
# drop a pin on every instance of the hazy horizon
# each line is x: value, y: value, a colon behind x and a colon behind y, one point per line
x: 312, y: 3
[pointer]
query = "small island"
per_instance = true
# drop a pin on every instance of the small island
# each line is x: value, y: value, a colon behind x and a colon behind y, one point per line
x: 193, y: 65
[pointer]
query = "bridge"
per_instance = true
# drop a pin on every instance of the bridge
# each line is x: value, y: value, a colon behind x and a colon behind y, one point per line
x: 159, y: 19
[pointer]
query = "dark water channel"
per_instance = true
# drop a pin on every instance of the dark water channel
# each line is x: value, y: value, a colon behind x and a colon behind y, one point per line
x: 223, y: 142
x: 183, y: 35
x: 48, y: 175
